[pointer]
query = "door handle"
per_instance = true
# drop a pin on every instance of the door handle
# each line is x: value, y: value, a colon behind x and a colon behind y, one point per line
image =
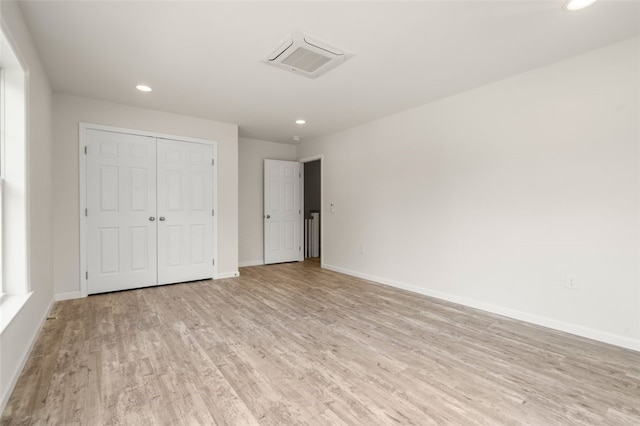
x: 268, y: 216
x: 161, y: 218
x: 151, y: 218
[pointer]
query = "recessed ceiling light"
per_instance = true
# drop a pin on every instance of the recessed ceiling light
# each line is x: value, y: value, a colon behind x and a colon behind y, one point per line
x: 578, y: 4
x: 300, y: 121
x: 297, y: 138
x: 143, y: 88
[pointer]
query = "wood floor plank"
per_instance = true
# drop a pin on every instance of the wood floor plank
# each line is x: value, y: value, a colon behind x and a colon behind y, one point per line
x: 295, y: 344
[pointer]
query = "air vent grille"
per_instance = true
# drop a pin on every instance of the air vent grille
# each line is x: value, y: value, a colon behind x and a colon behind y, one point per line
x: 303, y: 55
x: 305, y: 60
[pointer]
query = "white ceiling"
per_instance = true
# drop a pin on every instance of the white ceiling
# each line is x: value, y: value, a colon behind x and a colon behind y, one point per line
x: 203, y: 58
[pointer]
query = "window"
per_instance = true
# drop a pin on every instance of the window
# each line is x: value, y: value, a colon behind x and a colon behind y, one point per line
x: 14, y: 284
x: 1, y: 179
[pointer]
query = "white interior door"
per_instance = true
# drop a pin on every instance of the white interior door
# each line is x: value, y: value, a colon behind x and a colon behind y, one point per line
x: 185, y: 211
x: 282, y: 211
x: 121, y: 210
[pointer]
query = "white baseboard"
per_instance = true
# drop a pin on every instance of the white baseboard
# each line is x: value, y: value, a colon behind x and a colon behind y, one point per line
x: 226, y: 275
x: 250, y: 263
x: 24, y: 358
x: 69, y: 295
x: 601, y: 336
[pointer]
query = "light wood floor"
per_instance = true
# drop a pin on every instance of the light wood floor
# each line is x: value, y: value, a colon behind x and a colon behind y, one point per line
x: 294, y: 344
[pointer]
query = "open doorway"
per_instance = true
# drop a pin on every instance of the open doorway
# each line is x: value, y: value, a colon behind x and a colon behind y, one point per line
x: 312, y: 209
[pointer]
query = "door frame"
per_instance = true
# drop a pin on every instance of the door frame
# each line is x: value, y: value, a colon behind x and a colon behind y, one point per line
x: 322, y: 211
x: 82, y: 188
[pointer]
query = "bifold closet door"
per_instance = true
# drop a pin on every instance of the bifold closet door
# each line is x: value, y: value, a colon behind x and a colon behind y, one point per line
x: 185, y: 211
x: 121, y: 210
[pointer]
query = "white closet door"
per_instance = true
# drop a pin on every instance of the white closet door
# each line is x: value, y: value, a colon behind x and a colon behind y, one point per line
x: 185, y: 211
x: 121, y: 206
x: 282, y: 211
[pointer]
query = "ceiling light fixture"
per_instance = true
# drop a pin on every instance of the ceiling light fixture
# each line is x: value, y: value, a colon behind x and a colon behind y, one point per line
x: 572, y: 5
x: 143, y: 88
x: 296, y: 138
x: 300, y: 121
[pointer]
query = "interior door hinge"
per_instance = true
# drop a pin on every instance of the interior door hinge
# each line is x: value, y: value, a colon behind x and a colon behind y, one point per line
x: 85, y: 150
x: 299, y: 248
x: 213, y: 212
x: 86, y: 212
x: 213, y: 262
x: 213, y: 162
x: 86, y: 275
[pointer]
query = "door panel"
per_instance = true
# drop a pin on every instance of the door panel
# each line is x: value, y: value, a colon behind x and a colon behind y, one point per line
x: 185, y: 201
x: 121, y: 240
x: 138, y: 177
x: 109, y: 250
x: 282, y: 211
x: 198, y: 238
x: 139, y: 251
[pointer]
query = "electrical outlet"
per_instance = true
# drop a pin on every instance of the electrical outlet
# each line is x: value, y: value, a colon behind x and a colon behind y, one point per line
x: 572, y: 280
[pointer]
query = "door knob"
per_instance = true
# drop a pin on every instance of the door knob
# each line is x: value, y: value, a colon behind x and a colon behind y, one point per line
x: 161, y: 218
x: 151, y: 218
x: 268, y: 216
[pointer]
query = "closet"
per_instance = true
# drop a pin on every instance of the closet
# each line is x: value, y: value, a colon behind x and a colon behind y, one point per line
x: 149, y: 210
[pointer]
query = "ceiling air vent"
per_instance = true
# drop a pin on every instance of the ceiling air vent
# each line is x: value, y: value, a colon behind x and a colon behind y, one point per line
x: 306, y: 56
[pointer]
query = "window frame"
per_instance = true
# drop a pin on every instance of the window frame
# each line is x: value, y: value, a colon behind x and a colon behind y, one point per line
x: 2, y: 157
x: 15, y: 284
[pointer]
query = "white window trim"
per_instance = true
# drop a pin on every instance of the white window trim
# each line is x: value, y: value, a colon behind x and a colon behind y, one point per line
x: 2, y: 127
x: 15, y: 196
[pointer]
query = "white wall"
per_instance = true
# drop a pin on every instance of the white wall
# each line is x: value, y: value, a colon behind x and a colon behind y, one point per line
x: 68, y: 111
x: 16, y: 339
x: 251, y: 156
x: 491, y: 197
